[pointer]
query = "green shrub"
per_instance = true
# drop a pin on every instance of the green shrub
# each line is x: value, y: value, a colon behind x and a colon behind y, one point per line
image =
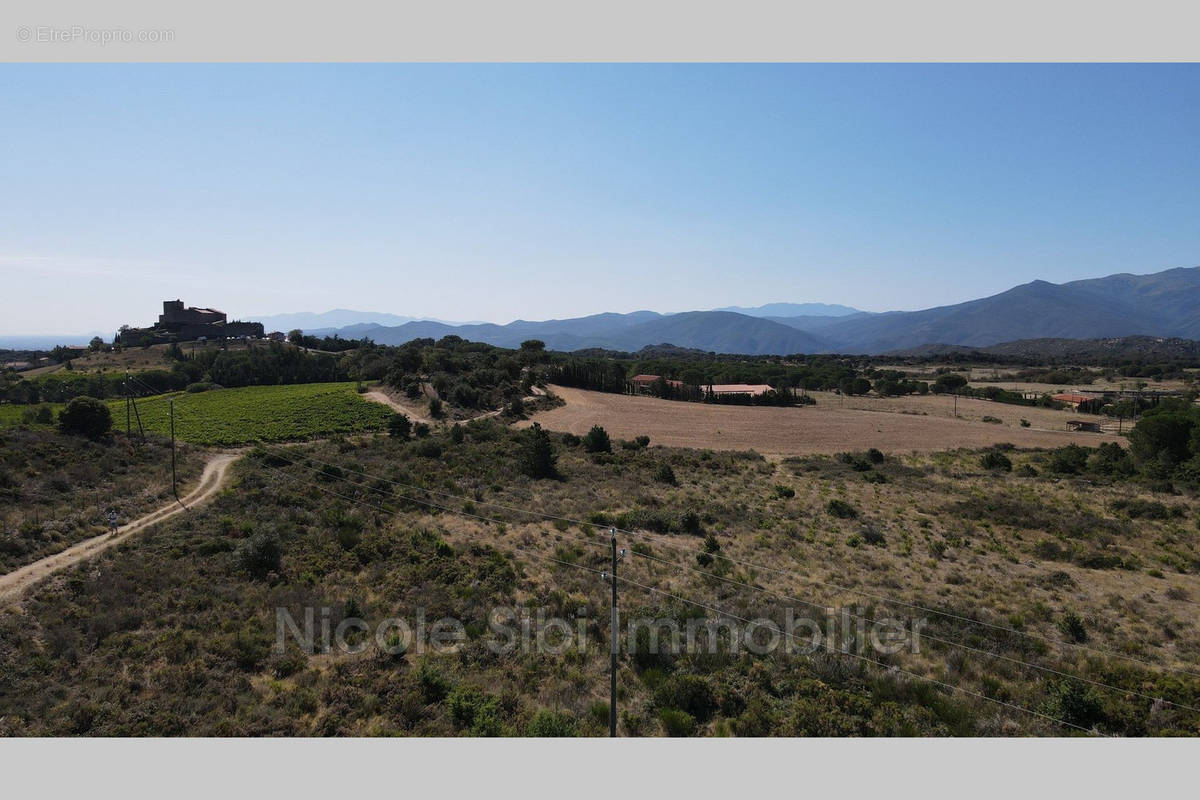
x: 433, y: 685
x: 642, y: 441
x: 996, y: 462
x: 875, y: 455
x: 597, y: 441
x: 261, y: 554
x: 690, y: 693
x: 872, y: 535
x: 547, y: 723
x: 665, y: 474
x: 85, y: 416
x: 428, y: 448
x: 1069, y: 460
x: 784, y: 492
x: 1072, y: 625
x: 399, y: 426
x: 677, y: 723
x: 841, y: 509
x: 689, y: 522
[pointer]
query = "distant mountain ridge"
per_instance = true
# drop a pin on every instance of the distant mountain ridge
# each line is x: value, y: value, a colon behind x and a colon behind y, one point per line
x: 1163, y: 304
x: 310, y: 322
x: 793, y: 310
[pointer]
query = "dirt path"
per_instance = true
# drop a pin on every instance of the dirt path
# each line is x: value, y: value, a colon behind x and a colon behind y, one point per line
x: 380, y: 396
x: 14, y: 584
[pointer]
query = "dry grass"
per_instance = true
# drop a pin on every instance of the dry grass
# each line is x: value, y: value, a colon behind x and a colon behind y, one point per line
x: 893, y: 425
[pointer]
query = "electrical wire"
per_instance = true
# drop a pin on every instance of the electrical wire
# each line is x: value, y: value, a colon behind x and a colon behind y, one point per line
x: 727, y: 614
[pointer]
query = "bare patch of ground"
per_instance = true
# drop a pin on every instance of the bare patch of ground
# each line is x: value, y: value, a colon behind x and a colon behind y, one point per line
x: 827, y: 427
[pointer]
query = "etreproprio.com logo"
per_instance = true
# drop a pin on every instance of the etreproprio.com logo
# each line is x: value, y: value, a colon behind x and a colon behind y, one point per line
x: 82, y: 34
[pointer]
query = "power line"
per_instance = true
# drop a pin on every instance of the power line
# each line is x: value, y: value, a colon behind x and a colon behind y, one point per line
x: 812, y: 604
x: 881, y: 664
x: 740, y: 562
x: 728, y: 614
x: 928, y: 610
x: 947, y: 642
x: 581, y: 523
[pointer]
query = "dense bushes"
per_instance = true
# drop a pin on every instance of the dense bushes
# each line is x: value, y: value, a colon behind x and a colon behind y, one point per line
x: 85, y: 416
x: 597, y: 441
x: 996, y: 461
x: 1166, y: 440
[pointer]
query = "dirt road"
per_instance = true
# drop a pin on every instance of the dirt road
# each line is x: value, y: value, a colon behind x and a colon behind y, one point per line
x: 823, y: 428
x: 418, y: 413
x: 15, y: 583
x: 414, y: 411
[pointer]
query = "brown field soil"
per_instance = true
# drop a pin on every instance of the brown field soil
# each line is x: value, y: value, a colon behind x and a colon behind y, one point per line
x: 824, y: 428
x: 1099, y: 385
x: 969, y: 408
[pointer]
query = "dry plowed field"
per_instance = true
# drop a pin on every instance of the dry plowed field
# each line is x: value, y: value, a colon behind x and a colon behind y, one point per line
x: 824, y: 428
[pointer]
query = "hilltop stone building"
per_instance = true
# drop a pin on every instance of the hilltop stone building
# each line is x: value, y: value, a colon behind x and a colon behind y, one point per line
x: 181, y: 324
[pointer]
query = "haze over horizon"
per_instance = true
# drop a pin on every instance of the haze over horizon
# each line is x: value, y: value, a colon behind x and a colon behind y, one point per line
x: 502, y: 192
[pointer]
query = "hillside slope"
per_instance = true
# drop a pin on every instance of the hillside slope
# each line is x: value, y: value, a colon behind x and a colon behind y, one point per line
x: 1164, y: 304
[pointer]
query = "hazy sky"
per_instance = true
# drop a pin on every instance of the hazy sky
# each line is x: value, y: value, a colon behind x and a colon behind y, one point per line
x: 511, y: 191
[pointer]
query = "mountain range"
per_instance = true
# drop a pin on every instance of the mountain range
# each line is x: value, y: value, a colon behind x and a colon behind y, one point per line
x: 334, y: 319
x: 1165, y: 304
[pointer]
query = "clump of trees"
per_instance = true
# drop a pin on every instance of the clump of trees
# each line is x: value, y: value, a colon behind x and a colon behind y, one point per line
x: 1166, y: 440
x: 469, y: 375
x: 85, y: 416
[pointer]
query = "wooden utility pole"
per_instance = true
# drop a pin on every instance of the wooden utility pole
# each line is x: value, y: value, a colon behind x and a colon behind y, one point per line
x: 614, y: 635
x: 174, y: 485
x: 128, y: 425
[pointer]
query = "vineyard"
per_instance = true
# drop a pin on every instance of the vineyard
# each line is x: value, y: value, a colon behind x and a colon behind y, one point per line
x: 259, y: 413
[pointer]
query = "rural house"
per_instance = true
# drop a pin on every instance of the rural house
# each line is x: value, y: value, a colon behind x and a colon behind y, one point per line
x: 1071, y: 399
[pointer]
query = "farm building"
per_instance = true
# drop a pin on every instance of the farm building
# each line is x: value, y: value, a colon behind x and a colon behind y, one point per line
x: 1091, y: 426
x: 645, y: 385
x: 750, y: 389
x: 1071, y: 399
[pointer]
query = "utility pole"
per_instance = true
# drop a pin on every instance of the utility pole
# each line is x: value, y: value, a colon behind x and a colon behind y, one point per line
x: 616, y: 643
x: 128, y: 425
x: 137, y: 415
x: 174, y: 485
x: 956, y: 404
x: 613, y: 635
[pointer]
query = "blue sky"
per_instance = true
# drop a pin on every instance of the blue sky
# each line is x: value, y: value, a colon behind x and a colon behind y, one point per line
x: 496, y: 192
